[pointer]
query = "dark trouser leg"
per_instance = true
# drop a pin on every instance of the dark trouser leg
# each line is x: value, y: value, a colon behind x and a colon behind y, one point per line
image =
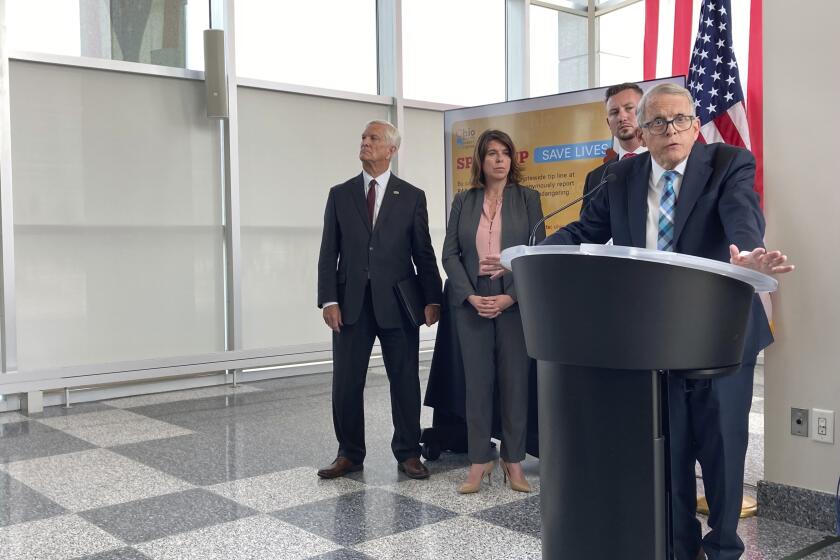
x: 400, y: 349
x: 686, y: 527
x: 351, y: 354
x: 513, y: 367
x: 477, y: 336
x: 721, y: 426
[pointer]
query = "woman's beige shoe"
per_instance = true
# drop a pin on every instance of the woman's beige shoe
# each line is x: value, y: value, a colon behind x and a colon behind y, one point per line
x: 473, y: 487
x: 516, y: 485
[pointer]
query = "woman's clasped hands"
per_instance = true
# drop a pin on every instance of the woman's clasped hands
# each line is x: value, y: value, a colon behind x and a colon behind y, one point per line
x: 490, y: 307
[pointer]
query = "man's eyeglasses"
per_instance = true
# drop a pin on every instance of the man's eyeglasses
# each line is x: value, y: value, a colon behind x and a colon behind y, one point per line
x: 659, y: 126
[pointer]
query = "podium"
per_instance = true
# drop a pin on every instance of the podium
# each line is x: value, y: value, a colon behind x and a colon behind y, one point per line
x: 608, y: 326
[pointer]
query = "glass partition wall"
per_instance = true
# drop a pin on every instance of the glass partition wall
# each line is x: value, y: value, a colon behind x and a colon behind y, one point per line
x: 145, y: 237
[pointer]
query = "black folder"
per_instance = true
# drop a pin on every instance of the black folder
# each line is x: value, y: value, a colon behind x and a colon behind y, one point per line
x: 411, y: 297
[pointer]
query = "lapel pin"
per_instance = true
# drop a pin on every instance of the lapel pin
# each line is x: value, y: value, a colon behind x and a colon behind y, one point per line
x: 396, y: 192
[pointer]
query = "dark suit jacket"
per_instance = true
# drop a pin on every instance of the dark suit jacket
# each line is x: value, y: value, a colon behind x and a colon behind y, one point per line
x: 716, y: 206
x: 352, y: 253
x: 521, y: 210
x: 593, y: 178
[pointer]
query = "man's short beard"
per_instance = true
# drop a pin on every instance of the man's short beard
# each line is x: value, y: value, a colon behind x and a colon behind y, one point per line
x: 626, y: 135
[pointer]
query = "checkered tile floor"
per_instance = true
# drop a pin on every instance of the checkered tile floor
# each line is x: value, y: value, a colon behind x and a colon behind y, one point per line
x: 224, y: 473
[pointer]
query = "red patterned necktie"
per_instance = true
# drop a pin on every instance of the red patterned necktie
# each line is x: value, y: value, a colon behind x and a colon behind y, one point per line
x: 371, y: 200
x: 629, y: 155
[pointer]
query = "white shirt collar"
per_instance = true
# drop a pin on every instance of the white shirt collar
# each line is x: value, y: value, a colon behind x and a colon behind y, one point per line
x: 381, y: 181
x: 656, y: 170
x: 621, y: 151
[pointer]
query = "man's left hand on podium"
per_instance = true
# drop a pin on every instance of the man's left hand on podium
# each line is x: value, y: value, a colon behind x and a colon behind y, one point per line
x: 759, y: 259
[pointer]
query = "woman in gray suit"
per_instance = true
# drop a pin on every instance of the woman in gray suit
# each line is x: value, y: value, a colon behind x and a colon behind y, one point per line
x: 496, y: 213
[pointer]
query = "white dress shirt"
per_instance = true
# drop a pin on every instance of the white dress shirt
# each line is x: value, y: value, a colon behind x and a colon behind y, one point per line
x: 656, y: 184
x: 381, y: 184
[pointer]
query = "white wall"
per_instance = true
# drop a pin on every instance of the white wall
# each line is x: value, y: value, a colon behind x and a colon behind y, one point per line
x: 802, y: 368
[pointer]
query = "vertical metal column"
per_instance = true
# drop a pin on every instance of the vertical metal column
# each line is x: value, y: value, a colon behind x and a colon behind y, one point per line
x: 8, y: 318
x: 390, y: 62
x: 593, y: 42
x: 517, y: 49
x: 229, y: 129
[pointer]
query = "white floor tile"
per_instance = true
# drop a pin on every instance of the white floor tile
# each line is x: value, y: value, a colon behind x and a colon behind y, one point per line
x: 460, y: 538
x: 440, y: 490
x: 253, y: 538
x: 11, y: 417
x: 92, y: 479
x: 108, y: 428
x: 56, y: 538
x: 284, y: 489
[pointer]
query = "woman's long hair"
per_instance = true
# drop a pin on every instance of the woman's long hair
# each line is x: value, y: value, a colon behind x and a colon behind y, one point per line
x: 477, y: 178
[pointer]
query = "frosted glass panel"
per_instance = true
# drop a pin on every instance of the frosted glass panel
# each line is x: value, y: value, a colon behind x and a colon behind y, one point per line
x: 88, y: 294
x: 118, y: 233
x: 422, y: 164
x: 288, y: 162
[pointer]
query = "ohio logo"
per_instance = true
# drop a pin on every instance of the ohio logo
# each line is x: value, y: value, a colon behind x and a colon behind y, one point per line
x: 463, y: 136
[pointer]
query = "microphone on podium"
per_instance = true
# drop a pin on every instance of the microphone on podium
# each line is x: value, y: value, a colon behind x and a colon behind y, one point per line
x: 595, y: 189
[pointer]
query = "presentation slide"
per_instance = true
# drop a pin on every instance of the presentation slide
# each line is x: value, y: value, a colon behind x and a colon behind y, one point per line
x: 558, y: 138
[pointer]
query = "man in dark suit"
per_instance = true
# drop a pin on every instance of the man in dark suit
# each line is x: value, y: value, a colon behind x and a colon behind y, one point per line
x: 699, y: 200
x: 621, y: 101
x: 376, y: 231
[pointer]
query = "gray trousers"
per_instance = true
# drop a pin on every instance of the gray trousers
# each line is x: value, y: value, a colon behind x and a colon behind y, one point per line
x: 493, y: 351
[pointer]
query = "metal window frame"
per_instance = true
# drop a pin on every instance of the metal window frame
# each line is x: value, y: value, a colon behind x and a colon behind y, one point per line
x: 389, y: 65
x: 518, y: 49
x: 229, y: 132
x: 8, y: 304
x: 593, y: 35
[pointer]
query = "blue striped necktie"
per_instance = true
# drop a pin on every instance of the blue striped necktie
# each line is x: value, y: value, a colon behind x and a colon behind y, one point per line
x: 665, y: 239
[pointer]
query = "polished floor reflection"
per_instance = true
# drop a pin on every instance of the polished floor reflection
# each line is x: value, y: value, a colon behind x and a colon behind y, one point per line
x: 230, y: 473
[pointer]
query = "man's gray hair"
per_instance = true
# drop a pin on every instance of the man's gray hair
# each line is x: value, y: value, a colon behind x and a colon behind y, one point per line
x: 392, y: 135
x: 662, y: 89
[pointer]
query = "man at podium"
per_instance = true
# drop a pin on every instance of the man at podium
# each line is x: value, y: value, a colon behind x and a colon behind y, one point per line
x: 697, y: 199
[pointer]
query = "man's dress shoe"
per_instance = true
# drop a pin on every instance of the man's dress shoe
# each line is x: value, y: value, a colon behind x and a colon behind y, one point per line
x: 413, y: 468
x: 339, y: 467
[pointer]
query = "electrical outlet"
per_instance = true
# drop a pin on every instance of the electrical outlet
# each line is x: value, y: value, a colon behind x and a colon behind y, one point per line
x: 799, y: 422
x: 823, y: 425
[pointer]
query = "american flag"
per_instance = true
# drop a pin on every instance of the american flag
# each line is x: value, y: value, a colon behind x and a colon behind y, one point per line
x: 669, y: 54
x: 713, y: 78
x: 716, y: 86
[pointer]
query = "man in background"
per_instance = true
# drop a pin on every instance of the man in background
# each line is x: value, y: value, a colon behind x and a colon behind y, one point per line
x: 376, y: 231
x: 621, y: 102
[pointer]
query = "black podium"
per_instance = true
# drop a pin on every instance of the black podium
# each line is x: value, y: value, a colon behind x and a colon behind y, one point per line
x: 608, y: 326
